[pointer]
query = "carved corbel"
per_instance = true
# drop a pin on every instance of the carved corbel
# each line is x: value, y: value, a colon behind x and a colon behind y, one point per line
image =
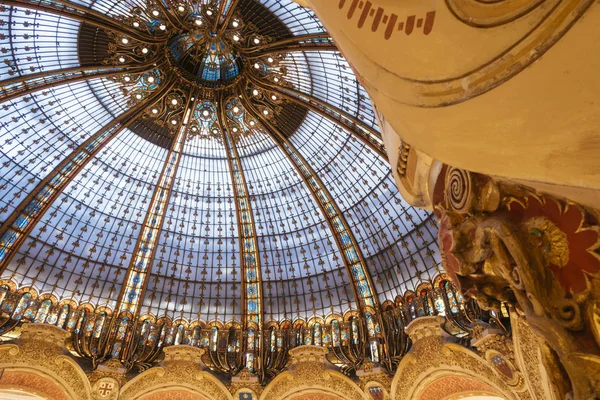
x: 245, y: 382
x: 373, y: 376
x: 502, y: 243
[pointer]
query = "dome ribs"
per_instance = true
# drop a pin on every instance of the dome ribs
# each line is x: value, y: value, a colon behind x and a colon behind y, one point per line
x: 252, y: 293
x: 359, y: 129
x: 21, y: 222
x: 65, y: 8
x: 314, y: 41
x: 24, y: 85
x: 147, y: 242
x: 354, y: 261
x: 246, y: 231
x: 224, y: 15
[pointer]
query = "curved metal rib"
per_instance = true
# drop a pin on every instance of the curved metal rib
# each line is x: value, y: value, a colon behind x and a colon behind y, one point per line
x: 78, y: 12
x: 136, y: 278
x: 23, y: 219
x: 252, y: 293
x: 138, y: 272
x: 23, y: 85
x: 353, y: 259
x: 226, y: 17
x: 318, y: 41
x: 359, y: 129
x: 292, y: 49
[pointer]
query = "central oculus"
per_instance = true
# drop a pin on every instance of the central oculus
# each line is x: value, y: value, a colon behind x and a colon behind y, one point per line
x: 205, y: 58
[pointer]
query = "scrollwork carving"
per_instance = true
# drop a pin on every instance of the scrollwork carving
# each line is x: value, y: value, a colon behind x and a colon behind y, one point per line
x: 459, y: 190
x: 41, y: 348
x: 537, y: 253
x: 433, y: 357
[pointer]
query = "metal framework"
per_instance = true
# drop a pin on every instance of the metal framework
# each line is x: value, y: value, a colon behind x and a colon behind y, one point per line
x: 362, y: 131
x: 21, y: 222
x: 138, y: 272
x: 252, y: 293
x: 353, y: 259
x: 24, y: 85
x: 316, y: 41
x: 66, y: 8
x: 123, y: 333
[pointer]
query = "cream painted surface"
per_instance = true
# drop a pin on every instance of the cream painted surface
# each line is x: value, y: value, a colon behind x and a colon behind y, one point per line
x: 423, y: 171
x: 451, y: 50
x: 6, y: 394
x: 541, y: 125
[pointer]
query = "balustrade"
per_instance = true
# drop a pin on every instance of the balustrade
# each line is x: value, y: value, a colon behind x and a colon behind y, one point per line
x: 352, y: 339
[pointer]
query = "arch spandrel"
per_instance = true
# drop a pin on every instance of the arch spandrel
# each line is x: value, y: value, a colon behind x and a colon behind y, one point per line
x: 40, y: 363
x: 311, y: 374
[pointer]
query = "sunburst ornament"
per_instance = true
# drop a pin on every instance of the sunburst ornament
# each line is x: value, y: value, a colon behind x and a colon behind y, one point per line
x: 209, y: 51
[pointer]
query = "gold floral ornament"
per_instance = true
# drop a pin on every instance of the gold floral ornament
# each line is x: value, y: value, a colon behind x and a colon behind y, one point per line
x: 504, y: 243
x: 568, y: 243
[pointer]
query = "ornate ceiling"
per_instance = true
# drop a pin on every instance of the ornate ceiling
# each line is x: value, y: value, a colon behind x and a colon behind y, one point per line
x: 213, y: 161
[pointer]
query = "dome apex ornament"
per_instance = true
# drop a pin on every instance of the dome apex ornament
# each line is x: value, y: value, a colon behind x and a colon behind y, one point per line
x: 207, y: 49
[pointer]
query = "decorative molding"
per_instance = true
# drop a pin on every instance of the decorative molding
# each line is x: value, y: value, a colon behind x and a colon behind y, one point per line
x: 547, y: 28
x: 528, y: 358
x: 182, y: 370
x: 310, y: 371
x: 41, y: 350
x: 503, y: 243
x: 432, y: 357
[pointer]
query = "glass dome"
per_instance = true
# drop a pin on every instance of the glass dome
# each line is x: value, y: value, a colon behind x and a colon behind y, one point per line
x: 270, y: 199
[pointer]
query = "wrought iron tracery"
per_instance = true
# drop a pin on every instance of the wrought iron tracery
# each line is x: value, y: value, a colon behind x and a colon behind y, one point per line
x: 344, y: 336
x: 20, y: 223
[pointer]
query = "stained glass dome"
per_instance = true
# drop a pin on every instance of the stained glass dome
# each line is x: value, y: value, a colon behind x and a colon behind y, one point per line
x: 208, y: 59
x: 214, y: 162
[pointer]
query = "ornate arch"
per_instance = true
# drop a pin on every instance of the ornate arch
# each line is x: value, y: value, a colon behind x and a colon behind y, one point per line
x: 454, y: 384
x: 314, y: 395
x: 415, y: 377
x: 330, y: 385
x: 310, y: 374
x: 182, y: 372
x: 432, y: 360
x: 173, y: 393
x: 161, y: 383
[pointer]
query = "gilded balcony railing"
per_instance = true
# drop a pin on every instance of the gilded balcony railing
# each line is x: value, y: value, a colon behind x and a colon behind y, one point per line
x: 139, y: 343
